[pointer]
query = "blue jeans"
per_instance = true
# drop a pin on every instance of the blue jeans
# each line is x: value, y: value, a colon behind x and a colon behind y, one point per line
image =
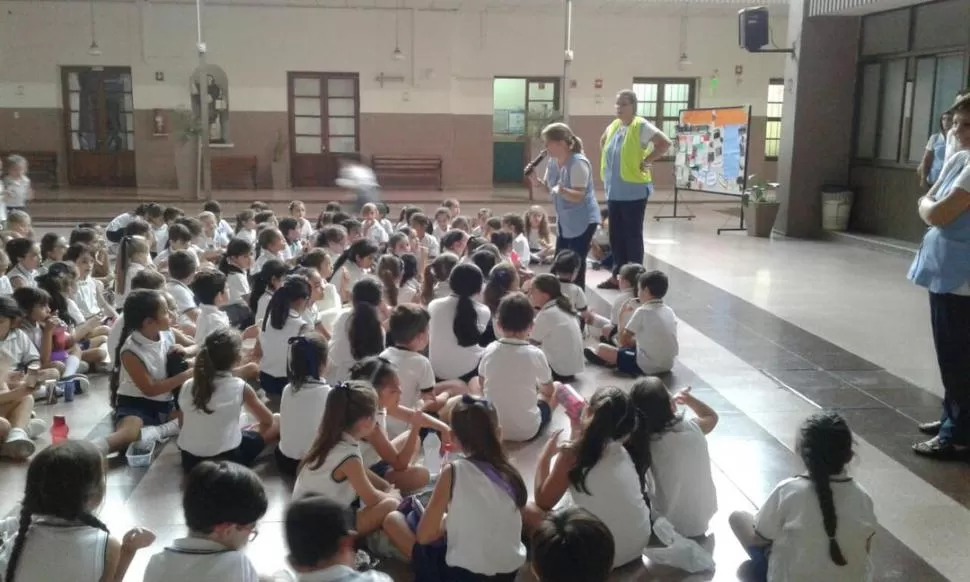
x: 950, y: 319
x: 580, y: 245
x: 626, y: 231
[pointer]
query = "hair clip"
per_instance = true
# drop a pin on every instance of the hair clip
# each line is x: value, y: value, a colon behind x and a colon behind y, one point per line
x: 473, y: 401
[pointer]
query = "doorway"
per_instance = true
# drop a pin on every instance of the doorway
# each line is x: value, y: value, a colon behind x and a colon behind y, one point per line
x: 100, y: 127
x: 324, y: 112
x: 521, y: 107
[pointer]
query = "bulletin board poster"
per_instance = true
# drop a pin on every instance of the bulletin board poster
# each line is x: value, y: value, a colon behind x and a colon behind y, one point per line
x: 712, y: 150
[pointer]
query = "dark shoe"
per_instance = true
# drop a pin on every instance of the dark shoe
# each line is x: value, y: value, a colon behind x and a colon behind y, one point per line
x: 593, y: 358
x: 931, y: 428
x: 941, y: 450
x: 610, y: 283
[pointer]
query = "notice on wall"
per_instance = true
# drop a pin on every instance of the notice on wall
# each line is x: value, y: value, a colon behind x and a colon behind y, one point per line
x: 711, y: 150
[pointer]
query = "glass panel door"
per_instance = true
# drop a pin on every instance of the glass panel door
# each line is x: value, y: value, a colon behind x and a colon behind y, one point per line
x: 342, y: 114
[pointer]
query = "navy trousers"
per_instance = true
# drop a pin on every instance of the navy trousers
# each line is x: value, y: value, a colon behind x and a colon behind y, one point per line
x: 580, y: 245
x: 950, y: 319
x: 626, y: 231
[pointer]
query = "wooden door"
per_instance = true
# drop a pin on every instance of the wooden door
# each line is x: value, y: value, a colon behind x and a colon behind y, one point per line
x: 99, y: 124
x: 324, y: 125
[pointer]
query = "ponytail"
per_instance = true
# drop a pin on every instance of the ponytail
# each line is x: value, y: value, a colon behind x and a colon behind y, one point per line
x: 364, y: 327
x: 293, y: 289
x: 612, y: 418
x: 121, y: 267
x: 202, y: 381
x: 439, y: 269
x: 272, y: 269
x: 389, y: 269
x: 140, y: 305
x: 308, y: 353
x: 427, y: 284
x: 576, y: 145
x: 551, y: 286
x: 338, y: 264
x: 115, y: 380
x: 466, y: 282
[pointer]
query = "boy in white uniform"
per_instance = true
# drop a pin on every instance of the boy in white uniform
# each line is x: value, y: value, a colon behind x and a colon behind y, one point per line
x: 210, y: 289
x: 223, y: 503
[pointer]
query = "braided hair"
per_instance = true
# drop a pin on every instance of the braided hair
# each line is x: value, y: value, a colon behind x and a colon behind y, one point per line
x: 825, y: 445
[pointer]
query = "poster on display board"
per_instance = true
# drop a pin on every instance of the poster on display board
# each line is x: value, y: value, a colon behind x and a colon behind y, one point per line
x: 712, y: 150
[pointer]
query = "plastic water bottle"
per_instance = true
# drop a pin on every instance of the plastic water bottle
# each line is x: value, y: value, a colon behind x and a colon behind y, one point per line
x: 59, y: 429
x: 432, y: 453
x: 571, y: 401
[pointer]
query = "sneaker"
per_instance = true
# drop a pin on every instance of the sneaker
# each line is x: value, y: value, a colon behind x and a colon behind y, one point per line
x: 81, y: 383
x: 35, y: 427
x: 931, y: 428
x: 610, y: 283
x: 150, y: 434
x: 594, y: 358
x: 18, y: 445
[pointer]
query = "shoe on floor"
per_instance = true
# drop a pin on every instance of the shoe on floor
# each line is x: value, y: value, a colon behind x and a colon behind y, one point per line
x: 150, y: 434
x: 935, y: 448
x: 610, y: 283
x: 18, y: 445
x: 931, y: 428
x: 593, y: 358
x: 35, y: 427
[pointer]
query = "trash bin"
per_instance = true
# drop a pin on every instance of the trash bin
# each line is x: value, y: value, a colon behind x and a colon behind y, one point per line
x: 836, y: 207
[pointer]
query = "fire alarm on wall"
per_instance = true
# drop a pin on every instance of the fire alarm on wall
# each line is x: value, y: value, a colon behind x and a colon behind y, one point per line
x: 598, y: 84
x: 159, y: 76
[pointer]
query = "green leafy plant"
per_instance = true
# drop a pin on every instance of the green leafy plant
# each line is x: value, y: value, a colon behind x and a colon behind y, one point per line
x: 279, y: 146
x: 536, y: 121
x: 187, y: 127
x: 759, y: 192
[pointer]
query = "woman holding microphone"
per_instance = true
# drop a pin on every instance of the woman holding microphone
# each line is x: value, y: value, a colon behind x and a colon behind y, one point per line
x: 569, y: 181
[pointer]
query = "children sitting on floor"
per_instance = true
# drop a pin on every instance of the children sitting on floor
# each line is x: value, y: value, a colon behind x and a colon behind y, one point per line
x: 648, y: 343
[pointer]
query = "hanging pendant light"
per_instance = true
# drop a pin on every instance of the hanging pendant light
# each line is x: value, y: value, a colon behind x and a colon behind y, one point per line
x: 94, y: 50
x: 397, y: 55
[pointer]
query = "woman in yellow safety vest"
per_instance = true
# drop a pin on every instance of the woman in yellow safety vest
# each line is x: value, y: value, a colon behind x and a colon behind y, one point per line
x: 629, y: 145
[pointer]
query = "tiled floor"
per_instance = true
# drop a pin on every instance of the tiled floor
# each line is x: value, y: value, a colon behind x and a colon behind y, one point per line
x: 770, y: 330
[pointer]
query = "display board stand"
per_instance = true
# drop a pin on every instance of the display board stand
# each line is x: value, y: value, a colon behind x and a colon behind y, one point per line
x: 711, y: 156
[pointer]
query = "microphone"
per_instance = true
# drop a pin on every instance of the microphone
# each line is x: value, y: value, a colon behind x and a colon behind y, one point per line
x: 531, y: 166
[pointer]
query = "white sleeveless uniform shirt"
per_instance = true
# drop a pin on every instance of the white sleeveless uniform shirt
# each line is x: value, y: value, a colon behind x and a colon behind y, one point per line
x: 301, y: 412
x: 275, y: 344
x: 208, y: 435
x: 614, y: 497
x: 79, y: 549
x: 153, y: 354
x: 483, y: 524
x: 320, y: 481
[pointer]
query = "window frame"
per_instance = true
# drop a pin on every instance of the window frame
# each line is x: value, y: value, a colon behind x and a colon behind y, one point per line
x: 771, y: 119
x: 910, y: 56
x: 659, y: 118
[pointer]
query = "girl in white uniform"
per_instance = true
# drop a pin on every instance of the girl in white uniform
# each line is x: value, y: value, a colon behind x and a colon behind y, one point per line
x: 304, y: 400
x: 265, y: 282
x: 476, y: 504
x: 211, y: 403
x: 817, y: 526
x: 333, y: 467
x: 141, y: 389
x: 556, y: 329
x: 283, y: 321
x: 88, y: 291
x: 437, y: 273
x: 353, y: 265
x: 457, y: 323
x: 235, y: 264
x: 674, y: 450
x: 272, y: 245
x: 246, y: 226
x: 133, y: 257
x: 358, y: 332
x: 598, y: 473
x: 57, y: 537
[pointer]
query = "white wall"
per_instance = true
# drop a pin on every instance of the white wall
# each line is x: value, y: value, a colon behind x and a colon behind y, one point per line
x: 451, y: 57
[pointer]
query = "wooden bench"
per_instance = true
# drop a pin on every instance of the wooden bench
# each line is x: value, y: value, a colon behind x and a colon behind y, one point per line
x: 234, y: 171
x: 41, y: 166
x: 411, y: 171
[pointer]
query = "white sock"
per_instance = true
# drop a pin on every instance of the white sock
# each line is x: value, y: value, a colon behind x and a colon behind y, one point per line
x: 599, y: 321
x: 70, y: 366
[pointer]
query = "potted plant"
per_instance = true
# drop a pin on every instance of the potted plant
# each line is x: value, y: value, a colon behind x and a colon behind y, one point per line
x: 279, y: 167
x: 186, y: 131
x: 760, y: 207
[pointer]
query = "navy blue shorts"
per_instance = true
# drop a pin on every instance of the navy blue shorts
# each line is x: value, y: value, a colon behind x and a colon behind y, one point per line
x: 151, y: 412
x: 759, y: 562
x: 272, y: 384
x: 245, y: 454
x: 286, y: 465
x: 381, y: 468
x: 545, y: 416
x: 626, y: 361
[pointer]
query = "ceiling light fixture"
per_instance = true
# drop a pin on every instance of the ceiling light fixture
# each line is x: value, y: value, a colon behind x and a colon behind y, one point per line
x: 397, y: 55
x: 94, y: 50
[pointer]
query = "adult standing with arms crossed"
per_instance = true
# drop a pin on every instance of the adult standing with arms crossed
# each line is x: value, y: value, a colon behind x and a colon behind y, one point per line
x: 942, y: 265
x: 629, y: 145
x: 569, y: 181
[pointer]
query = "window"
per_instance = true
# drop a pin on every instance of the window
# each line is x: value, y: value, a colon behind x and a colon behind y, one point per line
x: 660, y: 101
x: 900, y: 104
x: 776, y: 98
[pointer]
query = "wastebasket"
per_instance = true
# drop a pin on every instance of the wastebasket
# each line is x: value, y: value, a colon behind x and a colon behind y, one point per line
x: 836, y: 207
